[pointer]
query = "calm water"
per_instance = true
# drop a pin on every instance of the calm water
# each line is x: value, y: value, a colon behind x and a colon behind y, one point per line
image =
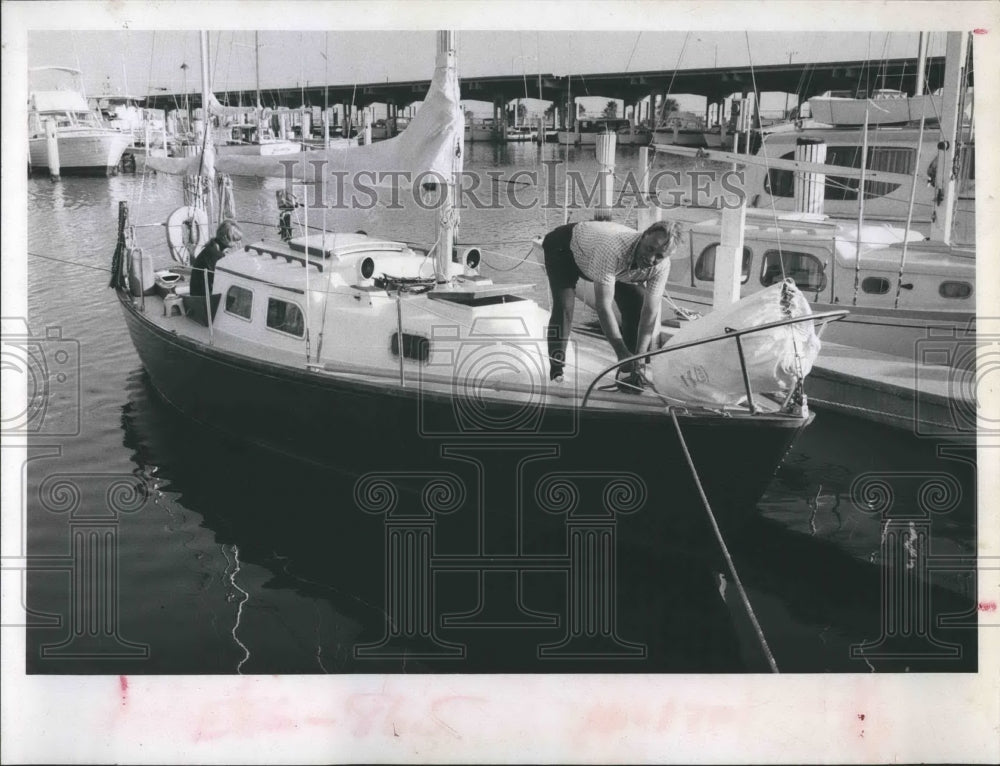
x: 233, y: 560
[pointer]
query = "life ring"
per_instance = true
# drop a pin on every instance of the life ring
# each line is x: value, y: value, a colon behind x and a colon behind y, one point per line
x: 187, y: 233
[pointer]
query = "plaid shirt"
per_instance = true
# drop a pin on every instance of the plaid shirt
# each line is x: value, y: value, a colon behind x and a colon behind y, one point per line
x: 604, y: 253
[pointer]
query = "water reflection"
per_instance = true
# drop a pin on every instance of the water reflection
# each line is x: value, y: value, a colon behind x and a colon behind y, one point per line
x: 305, y: 527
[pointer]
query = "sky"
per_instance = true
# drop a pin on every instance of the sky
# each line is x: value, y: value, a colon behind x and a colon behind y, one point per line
x: 149, y: 59
x: 141, y: 60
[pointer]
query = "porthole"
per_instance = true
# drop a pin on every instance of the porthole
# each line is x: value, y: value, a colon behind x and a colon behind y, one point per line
x: 239, y: 302
x: 415, y: 347
x: 955, y: 290
x: 285, y: 317
x: 704, y: 269
x: 805, y: 269
x: 875, y: 285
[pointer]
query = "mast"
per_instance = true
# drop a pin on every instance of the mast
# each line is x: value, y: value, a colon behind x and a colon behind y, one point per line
x: 945, y: 180
x: 256, y: 61
x: 447, y: 218
x: 207, y: 169
x: 207, y: 147
x: 918, y: 87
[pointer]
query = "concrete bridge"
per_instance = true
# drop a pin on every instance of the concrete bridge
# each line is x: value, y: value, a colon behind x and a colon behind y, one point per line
x: 634, y: 88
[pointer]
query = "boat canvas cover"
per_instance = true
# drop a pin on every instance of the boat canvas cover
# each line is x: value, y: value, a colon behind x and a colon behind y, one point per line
x: 428, y: 145
x: 875, y: 239
x: 775, y: 358
x: 217, y: 109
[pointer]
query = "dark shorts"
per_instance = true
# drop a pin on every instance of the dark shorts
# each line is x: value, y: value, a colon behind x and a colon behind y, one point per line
x: 559, y: 261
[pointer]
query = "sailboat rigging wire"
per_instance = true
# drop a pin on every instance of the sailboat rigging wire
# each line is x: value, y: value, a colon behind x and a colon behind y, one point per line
x: 635, y: 45
x: 308, y: 301
x: 541, y: 121
x: 909, y: 214
x: 215, y: 69
x: 670, y: 85
x: 71, y: 263
x: 804, y: 76
x: 524, y: 258
x: 861, y: 209
x: 722, y: 545
x: 524, y: 69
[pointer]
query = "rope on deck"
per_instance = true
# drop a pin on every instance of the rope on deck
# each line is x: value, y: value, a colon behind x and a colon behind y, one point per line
x: 722, y: 544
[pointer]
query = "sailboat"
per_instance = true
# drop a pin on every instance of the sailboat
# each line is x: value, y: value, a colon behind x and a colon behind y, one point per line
x: 899, y: 285
x: 256, y: 137
x: 888, y: 123
x: 327, y: 345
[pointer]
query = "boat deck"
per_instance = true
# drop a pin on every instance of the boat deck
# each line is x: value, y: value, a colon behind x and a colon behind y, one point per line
x: 570, y: 392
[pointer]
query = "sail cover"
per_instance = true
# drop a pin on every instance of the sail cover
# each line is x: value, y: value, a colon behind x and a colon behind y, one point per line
x: 431, y: 143
x: 711, y: 374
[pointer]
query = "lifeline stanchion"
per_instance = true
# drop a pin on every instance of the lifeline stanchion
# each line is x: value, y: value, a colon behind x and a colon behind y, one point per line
x: 722, y: 544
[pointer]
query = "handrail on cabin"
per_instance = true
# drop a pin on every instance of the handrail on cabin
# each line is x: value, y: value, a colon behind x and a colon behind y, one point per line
x: 826, y: 316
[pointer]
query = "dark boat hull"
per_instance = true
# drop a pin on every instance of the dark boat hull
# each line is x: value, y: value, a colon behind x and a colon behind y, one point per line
x: 355, y: 425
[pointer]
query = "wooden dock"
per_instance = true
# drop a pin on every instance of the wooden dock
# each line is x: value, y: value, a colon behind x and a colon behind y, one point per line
x: 932, y: 400
x: 929, y: 400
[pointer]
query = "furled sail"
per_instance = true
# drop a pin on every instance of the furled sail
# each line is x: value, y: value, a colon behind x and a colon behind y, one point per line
x: 429, y: 145
x: 217, y: 109
x: 194, y: 165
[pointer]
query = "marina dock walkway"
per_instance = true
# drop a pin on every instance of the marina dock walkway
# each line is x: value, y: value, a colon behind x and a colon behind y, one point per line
x: 931, y: 400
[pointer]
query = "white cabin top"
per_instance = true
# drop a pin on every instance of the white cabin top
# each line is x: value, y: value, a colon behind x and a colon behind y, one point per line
x: 58, y: 101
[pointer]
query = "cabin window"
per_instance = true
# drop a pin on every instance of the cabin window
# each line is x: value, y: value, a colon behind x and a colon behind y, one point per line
x: 239, y: 301
x: 891, y: 159
x: 875, y: 285
x: 704, y: 268
x: 415, y: 347
x: 285, y: 317
x: 804, y: 269
x: 956, y: 290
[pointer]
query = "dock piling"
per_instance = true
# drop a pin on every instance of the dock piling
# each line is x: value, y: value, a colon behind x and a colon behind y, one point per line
x: 52, y: 149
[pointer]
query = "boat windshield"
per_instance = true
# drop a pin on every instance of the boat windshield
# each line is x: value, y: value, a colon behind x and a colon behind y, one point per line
x: 79, y: 119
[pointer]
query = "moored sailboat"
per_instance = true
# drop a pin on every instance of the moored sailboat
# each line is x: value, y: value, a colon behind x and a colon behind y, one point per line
x: 900, y: 286
x: 324, y: 345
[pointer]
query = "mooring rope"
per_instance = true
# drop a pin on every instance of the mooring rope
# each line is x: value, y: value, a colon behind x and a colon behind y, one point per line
x: 722, y: 544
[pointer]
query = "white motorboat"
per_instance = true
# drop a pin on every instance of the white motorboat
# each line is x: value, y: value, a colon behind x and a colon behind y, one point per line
x: 85, y: 145
x: 586, y: 130
x: 883, y: 107
x: 518, y: 133
x: 482, y: 130
x: 681, y: 130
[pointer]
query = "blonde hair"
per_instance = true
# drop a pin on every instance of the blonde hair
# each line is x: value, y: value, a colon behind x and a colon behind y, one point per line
x: 228, y: 232
x: 671, y: 228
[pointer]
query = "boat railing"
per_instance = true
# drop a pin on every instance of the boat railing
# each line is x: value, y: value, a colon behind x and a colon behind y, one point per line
x: 729, y: 334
